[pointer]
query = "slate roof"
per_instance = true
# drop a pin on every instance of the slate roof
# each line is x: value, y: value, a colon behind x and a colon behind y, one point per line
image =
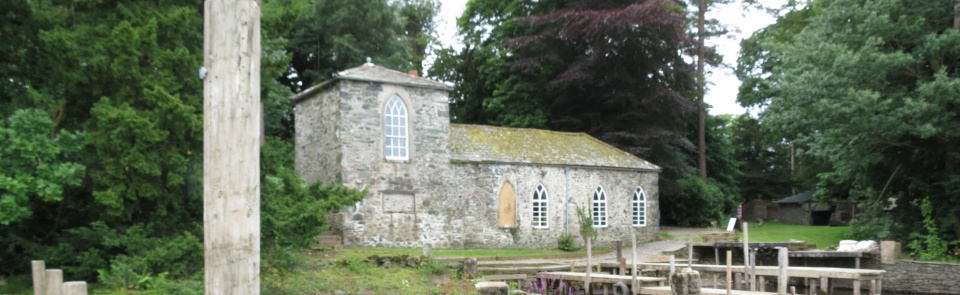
x: 369, y: 72
x: 489, y: 144
x: 798, y: 198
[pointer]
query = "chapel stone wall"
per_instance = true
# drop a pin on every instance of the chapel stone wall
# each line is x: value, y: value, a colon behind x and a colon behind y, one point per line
x: 398, y: 191
x: 317, y: 141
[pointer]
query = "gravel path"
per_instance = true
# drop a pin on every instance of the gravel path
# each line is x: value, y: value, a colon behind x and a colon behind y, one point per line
x: 653, y: 251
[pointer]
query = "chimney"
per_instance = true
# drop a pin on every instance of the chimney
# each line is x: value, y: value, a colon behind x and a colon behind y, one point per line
x: 412, y: 73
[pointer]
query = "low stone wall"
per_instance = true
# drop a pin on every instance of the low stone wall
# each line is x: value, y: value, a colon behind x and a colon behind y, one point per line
x: 907, y: 276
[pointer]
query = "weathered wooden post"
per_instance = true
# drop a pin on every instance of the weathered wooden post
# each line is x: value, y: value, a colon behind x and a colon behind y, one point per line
x: 729, y: 270
x: 231, y: 147
x: 586, y: 281
x: 746, y: 252
x: 784, y: 261
x: 39, y: 277
x: 690, y: 252
x: 753, y: 270
x: 673, y: 266
x: 633, y: 277
x: 54, y: 284
x: 75, y: 288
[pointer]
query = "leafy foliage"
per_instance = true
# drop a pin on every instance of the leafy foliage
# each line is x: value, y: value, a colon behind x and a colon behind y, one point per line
x: 333, y: 35
x: 33, y: 156
x: 100, y: 141
x: 928, y: 246
x: 702, y: 203
x: 586, y: 224
x: 871, y: 109
x: 764, y: 158
x: 293, y: 211
x: 565, y: 243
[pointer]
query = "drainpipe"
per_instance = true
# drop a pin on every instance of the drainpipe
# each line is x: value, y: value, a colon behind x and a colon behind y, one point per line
x: 566, y: 203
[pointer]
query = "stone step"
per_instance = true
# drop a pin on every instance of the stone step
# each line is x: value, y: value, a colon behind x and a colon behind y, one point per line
x: 515, y: 263
x: 329, y: 241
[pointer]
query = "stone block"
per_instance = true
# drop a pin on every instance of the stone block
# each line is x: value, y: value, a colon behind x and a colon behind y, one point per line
x: 889, y: 252
x: 470, y: 268
x: 492, y: 288
x: 685, y: 282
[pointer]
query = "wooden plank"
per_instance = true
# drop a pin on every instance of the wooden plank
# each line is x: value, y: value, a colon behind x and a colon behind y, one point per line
x: 505, y: 277
x: 703, y: 291
x: 793, y: 271
x: 508, y: 206
x: 599, y: 278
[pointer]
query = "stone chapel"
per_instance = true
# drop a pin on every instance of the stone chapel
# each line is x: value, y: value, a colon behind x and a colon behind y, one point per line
x: 455, y: 185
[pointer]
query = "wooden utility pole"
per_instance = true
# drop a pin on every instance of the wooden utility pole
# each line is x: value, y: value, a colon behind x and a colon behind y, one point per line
x: 701, y: 82
x: 231, y: 146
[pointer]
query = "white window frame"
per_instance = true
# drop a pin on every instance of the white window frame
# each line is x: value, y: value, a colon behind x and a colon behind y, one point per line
x: 639, y: 208
x: 396, y: 135
x: 540, y: 209
x: 599, y: 210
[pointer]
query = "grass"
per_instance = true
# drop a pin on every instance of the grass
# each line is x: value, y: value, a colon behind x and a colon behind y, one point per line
x: 773, y: 231
x: 354, y: 276
x: 310, y: 272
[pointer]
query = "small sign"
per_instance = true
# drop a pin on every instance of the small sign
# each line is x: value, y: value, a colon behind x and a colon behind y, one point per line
x: 732, y: 223
x: 740, y: 211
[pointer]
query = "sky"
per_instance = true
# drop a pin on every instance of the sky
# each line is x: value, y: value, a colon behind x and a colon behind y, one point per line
x: 722, y: 90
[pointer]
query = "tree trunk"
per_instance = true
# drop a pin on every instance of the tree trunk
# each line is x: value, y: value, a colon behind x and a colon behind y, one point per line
x: 231, y: 161
x: 701, y: 107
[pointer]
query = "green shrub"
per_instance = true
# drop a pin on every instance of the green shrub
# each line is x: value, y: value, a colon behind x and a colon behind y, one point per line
x: 293, y: 212
x: 697, y: 203
x: 586, y: 225
x: 565, y: 243
x: 433, y: 267
x: 928, y: 246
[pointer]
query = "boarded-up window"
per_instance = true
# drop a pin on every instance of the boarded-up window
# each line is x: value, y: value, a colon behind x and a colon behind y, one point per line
x: 507, y: 216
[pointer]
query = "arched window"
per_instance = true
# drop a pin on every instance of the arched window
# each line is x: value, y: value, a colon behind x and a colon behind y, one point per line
x: 639, y: 207
x: 395, y: 130
x: 600, y: 208
x: 540, y: 207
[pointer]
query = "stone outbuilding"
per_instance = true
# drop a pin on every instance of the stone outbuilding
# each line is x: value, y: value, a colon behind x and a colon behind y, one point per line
x: 453, y: 185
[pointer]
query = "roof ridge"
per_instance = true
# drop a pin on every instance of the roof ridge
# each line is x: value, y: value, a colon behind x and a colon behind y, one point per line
x: 370, y: 65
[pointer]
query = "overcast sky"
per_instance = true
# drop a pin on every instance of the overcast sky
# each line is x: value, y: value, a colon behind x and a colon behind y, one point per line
x: 722, y: 91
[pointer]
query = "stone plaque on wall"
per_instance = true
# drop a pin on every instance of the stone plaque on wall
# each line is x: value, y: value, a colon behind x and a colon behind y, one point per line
x: 399, y: 203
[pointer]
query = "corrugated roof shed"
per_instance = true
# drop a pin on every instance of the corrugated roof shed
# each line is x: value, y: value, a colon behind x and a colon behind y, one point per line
x: 369, y: 72
x: 479, y: 143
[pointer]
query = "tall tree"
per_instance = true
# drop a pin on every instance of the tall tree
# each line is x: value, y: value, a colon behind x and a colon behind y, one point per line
x: 764, y: 158
x: 334, y: 35
x: 872, y: 88
x: 419, y: 27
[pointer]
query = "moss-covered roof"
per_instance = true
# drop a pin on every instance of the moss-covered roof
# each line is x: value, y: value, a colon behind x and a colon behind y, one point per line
x: 369, y: 72
x: 479, y: 143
